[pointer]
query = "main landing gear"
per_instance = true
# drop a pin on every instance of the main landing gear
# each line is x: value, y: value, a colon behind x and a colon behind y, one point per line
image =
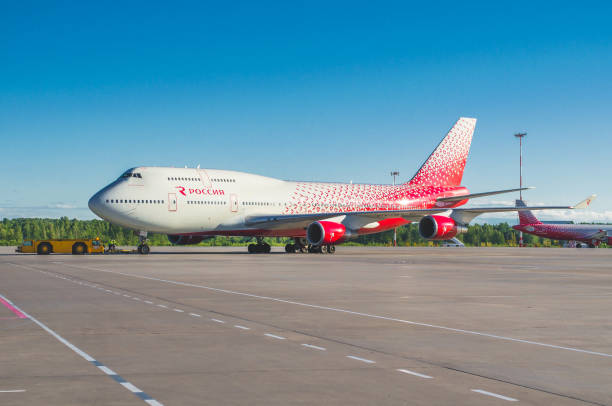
x: 300, y: 246
x: 143, y: 247
x: 260, y: 248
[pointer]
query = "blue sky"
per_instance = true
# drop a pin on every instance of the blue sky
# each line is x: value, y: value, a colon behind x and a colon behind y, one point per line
x: 332, y: 91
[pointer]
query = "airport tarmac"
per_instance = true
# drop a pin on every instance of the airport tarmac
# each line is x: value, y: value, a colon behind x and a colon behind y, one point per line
x: 366, y: 326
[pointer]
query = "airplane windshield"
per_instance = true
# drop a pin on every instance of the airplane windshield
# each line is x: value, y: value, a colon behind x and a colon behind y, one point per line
x: 131, y: 175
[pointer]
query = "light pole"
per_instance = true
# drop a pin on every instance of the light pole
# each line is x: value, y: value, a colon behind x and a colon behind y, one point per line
x: 520, y: 136
x: 394, y: 174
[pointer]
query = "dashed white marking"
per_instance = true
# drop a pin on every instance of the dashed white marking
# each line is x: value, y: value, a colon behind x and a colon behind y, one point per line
x: 153, y: 402
x: 148, y: 301
x: 77, y: 350
x: 179, y: 310
x: 218, y: 321
x: 108, y: 290
x: 12, y: 391
x: 194, y: 315
x: 136, y: 298
x: 107, y: 370
x: 126, y: 295
x: 130, y: 387
x: 274, y: 336
x: 345, y: 311
x: 315, y: 347
x: 162, y: 306
x: 241, y: 327
x: 367, y: 361
x: 495, y: 395
x: 406, y: 371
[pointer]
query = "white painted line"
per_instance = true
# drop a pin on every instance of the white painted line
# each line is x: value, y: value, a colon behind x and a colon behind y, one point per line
x: 274, y: 336
x: 163, y: 306
x: 108, y: 290
x: 12, y: 391
x: 136, y: 298
x: 153, y: 402
x: 495, y: 395
x: 194, y: 315
x: 127, y: 295
x: 107, y: 370
x: 406, y: 371
x: 218, y: 321
x: 315, y: 347
x: 148, y: 301
x: 333, y: 309
x: 367, y: 361
x: 74, y: 348
x: 179, y: 310
x: 130, y: 387
x: 241, y: 327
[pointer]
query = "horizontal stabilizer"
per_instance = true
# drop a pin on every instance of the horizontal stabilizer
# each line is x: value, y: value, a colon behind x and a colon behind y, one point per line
x: 585, y: 203
x: 475, y: 195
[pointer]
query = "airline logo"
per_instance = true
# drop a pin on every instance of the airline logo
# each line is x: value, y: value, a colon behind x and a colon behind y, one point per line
x: 190, y: 191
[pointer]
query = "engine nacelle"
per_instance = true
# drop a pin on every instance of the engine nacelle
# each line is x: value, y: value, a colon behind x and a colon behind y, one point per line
x: 439, y: 228
x: 185, y: 239
x: 324, y: 232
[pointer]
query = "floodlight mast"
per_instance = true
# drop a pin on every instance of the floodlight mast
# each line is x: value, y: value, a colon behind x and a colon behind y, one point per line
x: 520, y: 136
x: 394, y: 174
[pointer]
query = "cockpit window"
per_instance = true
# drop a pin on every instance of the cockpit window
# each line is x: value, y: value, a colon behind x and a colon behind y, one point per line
x: 129, y: 174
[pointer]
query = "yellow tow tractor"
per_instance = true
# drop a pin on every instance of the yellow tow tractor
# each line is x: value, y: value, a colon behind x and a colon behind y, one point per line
x: 77, y: 246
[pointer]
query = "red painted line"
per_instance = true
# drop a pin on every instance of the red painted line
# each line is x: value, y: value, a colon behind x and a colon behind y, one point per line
x: 13, y: 309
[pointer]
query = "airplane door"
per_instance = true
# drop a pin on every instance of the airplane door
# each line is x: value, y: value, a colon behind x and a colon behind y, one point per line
x: 234, y: 202
x: 172, y: 202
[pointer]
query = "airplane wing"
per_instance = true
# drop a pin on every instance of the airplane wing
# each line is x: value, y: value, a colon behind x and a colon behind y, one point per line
x: 359, y: 218
x: 474, y: 195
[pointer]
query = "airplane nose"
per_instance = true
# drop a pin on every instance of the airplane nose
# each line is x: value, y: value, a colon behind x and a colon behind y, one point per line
x: 95, y: 204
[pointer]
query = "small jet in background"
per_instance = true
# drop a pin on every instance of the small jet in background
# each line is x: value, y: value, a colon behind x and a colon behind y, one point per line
x: 589, y: 234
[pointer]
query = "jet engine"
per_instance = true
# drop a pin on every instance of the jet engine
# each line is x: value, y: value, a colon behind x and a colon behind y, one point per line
x: 439, y: 228
x: 324, y: 232
x: 185, y: 239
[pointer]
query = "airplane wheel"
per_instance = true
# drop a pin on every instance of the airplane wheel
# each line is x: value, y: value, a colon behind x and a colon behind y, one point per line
x: 252, y: 248
x: 290, y: 248
x: 331, y: 249
x: 266, y: 248
x: 143, y: 249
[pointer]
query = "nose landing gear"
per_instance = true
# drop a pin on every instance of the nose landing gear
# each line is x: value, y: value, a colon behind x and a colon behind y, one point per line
x: 143, y: 247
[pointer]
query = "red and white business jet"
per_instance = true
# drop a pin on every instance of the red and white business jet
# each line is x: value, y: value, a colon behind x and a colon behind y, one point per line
x: 191, y: 204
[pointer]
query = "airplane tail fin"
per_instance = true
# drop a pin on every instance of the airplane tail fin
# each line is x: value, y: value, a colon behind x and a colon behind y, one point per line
x: 445, y: 165
x: 526, y: 216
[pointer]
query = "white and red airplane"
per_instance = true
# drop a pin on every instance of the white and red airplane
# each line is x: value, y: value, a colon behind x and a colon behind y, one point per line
x: 590, y: 234
x: 191, y: 204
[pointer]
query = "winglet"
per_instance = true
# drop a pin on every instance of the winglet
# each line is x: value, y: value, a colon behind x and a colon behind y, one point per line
x: 585, y: 203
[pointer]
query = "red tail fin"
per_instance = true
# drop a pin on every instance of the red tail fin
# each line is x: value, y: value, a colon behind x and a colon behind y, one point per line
x: 445, y: 165
x: 526, y: 216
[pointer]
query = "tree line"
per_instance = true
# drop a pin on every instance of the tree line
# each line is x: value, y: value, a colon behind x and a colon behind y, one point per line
x: 13, y: 231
